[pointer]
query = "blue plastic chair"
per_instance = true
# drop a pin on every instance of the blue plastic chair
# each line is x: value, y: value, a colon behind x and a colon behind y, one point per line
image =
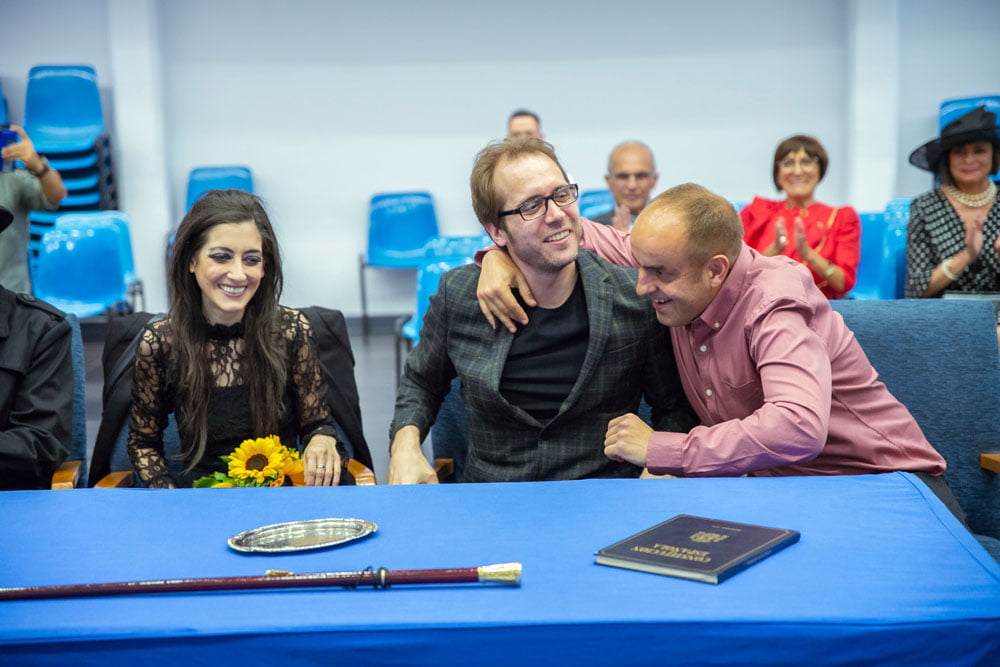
x: 3, y: 108
x: 869, y: 284
x: 399, y: 226
x: 595, y: 202
x: 428, y: 277
x: 897, y: 219
x: 959, y: 106
x: 80, y: 270
x: 62, y: 108
x: 120, y: 222
x: 203, y: 179
x: 882, y: 270
x: 456, y: 246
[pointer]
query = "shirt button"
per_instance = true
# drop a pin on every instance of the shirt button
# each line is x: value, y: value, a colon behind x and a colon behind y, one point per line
x: 703, y: 348
x: 717, y: 325
x: 708, y: 392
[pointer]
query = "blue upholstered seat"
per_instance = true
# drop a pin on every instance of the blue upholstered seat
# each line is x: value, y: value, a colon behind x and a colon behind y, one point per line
x: 79, y: 449
x: 940, y: 359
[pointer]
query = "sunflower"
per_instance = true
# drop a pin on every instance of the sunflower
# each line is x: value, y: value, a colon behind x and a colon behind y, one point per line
x: 261, y: 459
x: 293, y: 469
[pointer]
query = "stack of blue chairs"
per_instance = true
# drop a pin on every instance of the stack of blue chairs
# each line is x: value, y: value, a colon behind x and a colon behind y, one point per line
x: 65, y: 120
x: 85, y: 265
x: 3, y: 109
x: 399, y: 226
x: 81, y: 268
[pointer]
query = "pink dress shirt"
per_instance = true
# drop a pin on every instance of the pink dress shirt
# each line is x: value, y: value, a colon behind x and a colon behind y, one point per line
x: 780, y: 383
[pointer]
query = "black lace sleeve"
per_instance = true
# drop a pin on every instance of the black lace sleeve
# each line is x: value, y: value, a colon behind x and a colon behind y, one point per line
x: 312, y: 414
x: 149, y: 409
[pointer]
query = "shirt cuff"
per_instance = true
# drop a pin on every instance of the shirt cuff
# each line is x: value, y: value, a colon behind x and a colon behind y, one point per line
x: 665, y: 454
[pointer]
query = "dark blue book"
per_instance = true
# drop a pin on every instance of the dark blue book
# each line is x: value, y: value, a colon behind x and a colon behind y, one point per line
x: 693, y: 547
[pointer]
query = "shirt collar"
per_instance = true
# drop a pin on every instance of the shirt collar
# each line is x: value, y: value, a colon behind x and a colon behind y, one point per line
x: 717, y: 312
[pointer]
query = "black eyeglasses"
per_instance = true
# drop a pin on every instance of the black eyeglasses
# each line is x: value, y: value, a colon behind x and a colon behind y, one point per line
x: 536, y: 207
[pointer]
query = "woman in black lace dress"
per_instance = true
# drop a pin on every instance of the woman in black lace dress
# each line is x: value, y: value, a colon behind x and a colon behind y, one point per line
x: 953, y: 238
x: 228, y: 361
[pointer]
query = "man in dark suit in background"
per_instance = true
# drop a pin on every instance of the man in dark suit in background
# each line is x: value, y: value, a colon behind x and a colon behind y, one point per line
x: 631, y: 178
x: 36, y: 388
x: 524, y: 124
x: 539, y: 400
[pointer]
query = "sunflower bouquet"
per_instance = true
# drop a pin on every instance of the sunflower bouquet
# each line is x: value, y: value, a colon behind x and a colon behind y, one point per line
x: 260, y: 462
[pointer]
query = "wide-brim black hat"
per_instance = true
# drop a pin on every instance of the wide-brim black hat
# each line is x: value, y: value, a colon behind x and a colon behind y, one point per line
x: 977, y: 125
x: 6, y: 217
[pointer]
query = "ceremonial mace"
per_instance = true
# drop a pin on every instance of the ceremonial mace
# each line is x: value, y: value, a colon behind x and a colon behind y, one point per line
x: 507, y: 574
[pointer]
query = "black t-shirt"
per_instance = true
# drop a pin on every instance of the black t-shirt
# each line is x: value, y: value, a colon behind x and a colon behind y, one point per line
x: 546, y: 356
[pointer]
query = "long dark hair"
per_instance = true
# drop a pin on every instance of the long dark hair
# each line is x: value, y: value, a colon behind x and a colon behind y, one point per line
x: 264, y: 354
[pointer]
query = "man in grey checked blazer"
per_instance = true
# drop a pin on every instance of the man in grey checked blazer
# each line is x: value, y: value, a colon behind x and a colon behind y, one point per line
x: 539, y: 400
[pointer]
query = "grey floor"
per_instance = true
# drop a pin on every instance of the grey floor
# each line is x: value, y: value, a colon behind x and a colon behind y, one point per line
x: 374, y: 371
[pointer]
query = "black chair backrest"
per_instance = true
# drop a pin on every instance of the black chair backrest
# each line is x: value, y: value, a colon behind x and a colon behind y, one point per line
x: 335, y: 356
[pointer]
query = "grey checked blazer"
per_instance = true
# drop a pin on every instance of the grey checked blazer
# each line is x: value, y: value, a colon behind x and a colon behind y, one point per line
x: 628, y: 354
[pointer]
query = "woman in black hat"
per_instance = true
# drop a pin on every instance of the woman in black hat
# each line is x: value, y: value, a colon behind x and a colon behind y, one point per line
x: 953, y: 239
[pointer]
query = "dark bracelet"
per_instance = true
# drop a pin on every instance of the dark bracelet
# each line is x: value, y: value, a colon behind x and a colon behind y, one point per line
x: 46, y: 168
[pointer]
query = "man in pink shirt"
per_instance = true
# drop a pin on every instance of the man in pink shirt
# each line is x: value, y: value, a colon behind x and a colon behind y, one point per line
x: 779, y: 381
x: 781, y: 385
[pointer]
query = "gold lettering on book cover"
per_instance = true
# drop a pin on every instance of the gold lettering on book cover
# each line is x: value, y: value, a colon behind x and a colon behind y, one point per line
x: 671, y: 551
x: 704, y: 537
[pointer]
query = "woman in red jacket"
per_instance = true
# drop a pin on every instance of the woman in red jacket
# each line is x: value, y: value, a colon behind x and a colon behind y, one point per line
x: 825, y: 239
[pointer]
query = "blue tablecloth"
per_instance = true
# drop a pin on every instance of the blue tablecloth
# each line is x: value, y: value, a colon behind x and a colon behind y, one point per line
x: 882, y: 573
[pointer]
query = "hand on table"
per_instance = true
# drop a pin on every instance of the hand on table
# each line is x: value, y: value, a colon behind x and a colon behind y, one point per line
x: 321, y: 461
x: 407, y: 463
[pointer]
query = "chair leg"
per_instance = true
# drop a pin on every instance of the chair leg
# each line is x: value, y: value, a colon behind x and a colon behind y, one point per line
x: 364, y: 296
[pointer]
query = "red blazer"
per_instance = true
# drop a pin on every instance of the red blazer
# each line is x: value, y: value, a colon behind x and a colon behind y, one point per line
x: 837, y: 240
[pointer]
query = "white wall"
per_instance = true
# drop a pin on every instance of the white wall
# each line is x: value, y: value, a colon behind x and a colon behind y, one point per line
x: 42, y: 32
x: 330, y: 102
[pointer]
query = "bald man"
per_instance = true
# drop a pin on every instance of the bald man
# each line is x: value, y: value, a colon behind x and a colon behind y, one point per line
x: 631, y: 178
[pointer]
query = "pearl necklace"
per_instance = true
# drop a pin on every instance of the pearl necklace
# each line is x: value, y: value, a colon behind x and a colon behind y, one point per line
x: 972, y: 201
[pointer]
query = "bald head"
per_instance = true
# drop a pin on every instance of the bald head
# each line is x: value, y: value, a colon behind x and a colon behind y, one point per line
x: 707, y: 223
x: 631, y: 175
x: 685, y: 242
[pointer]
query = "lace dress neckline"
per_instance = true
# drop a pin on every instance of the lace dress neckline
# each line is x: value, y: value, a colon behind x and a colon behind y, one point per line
x: 224, y: 332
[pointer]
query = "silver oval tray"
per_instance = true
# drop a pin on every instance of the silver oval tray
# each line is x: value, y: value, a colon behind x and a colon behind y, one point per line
x: 301, y: 535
